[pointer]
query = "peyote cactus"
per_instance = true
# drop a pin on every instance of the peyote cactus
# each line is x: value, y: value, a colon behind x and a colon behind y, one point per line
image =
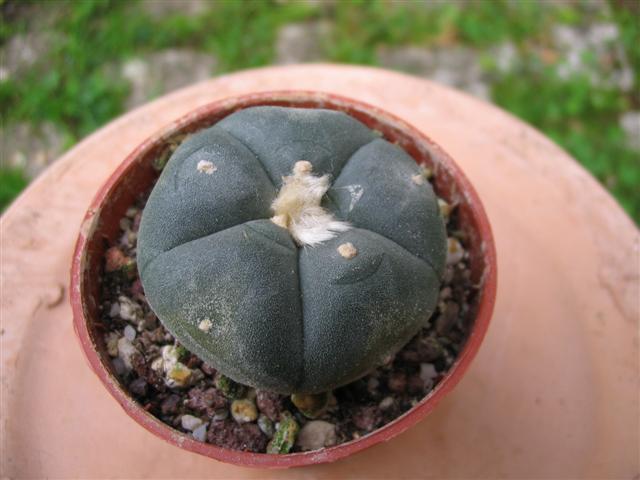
x: 292, y: 249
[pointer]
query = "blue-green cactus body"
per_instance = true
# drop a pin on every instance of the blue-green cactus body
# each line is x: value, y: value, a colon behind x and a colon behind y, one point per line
x: 280, y: 316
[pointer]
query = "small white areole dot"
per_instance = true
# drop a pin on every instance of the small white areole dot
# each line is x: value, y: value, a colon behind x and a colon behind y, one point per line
x: 418, y: 179
x: 347, y: 250
x: 205, y: 325
x: 205, y: 166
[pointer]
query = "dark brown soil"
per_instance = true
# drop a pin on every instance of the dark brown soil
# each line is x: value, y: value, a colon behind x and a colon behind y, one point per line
x: 135, y: 340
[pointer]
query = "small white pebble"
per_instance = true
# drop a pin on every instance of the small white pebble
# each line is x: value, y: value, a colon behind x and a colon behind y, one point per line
x: 125, y: 224
x: 425, y: 174
x: 170, y: 354
x: 455, y: 252
x: 445, y: 208
x: 112, y: 344
x: 130, y: 333
x: 189, y: 422
x: 386, y: 403
x: 178, y: 376
x: 205, y: 325
x: 126, y: 349
x: 176, y: 373
x: 114, y: 311
x: 157, y: 364
x: 428, y: 373
x: 317, y: 434
x: 347, y: 250
x: 200, y: 433
x: 205, y: 166
x: 129, y: 310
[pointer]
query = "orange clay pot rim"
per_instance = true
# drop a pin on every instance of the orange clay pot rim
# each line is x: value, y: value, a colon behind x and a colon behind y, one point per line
x: 249, y: 459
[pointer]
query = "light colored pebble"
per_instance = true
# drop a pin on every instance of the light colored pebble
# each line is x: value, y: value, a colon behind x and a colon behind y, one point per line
x: 285, y: 436
x: 347, y: 250
x: 114, y: 311
x: 189, y: 422
x: 111, y: 341
x: 132, y: 212
x: 455, y: 252
x: 428, y: 374
x: 179, y: 376
x: 170, y: 354
x: 386, y: 403
x: 317, y: 434
x: 425, y: 174
x: 266, y: 425
x: 118, y: 366
x: 200, y: 433
x: 311, y: 405
x: 244, y: 411
x: 205, y: 325
x: 125, y: 224
x: 156, y: 365
x: 126, y: 349
x: 129, y: 310
x: 445, y: 208
x: 130, y: 333
x: 205, y: 166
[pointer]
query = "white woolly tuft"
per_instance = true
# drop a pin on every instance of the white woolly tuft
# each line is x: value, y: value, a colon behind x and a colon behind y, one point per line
x: 297, y: 207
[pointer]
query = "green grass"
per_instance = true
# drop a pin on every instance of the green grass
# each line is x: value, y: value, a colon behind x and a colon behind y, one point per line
x: 72, y: 86
x: 363, y: 26
x: 12, y: 182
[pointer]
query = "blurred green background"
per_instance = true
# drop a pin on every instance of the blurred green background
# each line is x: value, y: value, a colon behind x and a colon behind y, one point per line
x: 570, y: 68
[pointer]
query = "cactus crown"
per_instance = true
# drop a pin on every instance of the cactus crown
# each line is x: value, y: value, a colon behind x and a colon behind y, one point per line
x: 297, y: 207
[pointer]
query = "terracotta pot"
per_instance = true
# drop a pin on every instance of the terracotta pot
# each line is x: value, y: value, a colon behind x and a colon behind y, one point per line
x: 136, y: 174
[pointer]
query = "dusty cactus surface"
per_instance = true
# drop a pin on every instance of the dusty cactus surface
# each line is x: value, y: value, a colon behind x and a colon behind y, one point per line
x: 292, y: 249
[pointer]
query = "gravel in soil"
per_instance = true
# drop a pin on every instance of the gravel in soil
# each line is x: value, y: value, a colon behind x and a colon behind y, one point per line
x: 192, y: 397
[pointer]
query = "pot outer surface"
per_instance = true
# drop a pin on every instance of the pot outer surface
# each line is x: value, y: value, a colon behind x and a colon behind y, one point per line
x: 553, y: 392
x: 289, y: 318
